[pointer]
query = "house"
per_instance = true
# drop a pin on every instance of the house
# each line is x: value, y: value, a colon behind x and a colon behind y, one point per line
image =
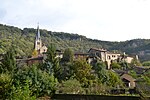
x: 59, y: 54
x: 81, y: 55
x: 128, y: 80
x: 108, y: 57
x: 104, y: 55
x: 126, y: 58
x: 99, y: 53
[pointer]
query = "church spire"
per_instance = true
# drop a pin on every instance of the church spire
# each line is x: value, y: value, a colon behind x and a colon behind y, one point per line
x: 38, y: 42
x: 38, y: 32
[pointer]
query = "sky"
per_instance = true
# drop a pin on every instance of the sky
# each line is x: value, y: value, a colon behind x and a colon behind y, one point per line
x: 109, y: 20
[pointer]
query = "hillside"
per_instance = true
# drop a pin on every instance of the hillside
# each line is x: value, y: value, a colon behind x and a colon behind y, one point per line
x: 23, y: 40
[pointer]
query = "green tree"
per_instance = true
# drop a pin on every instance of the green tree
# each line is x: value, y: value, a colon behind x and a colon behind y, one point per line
x: 124, y: 65
x: 68, y: 55
x: 133, y: 73
x: 8, y: 63
x: 5, y: 85
x: 146, y: 63
x: 114, y: 80
x: 67, y: 70
x: 135, y: 62
x: 115, y: 65
x: 71, y: 86
x: 52, y: 63
x: 98, y: 89
x: 22, y: 92
x: 40, y: 82
x: 82, y: 71
x: 100, y: 70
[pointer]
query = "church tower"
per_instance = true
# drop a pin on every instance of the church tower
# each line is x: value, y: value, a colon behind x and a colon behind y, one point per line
x: 38, y: 42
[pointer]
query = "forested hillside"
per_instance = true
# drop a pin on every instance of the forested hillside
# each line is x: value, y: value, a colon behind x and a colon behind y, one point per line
x: 23, y: 40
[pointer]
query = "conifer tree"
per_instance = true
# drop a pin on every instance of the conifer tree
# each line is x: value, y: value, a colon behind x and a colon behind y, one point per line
x: 51, y: 62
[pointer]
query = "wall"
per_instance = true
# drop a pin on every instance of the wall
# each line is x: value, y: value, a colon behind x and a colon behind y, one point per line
x: 92, y: 97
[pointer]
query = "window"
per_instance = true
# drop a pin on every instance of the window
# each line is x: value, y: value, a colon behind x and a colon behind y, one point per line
x: 38, y: 42
x: 108, y: 57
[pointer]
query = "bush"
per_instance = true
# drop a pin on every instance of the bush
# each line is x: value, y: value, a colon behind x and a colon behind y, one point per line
x: 71, y: 86
x: 22, y: 93
x: 40, y: 82
x: 146, y: 63
x: 115, y: 65
x: 5, y: 85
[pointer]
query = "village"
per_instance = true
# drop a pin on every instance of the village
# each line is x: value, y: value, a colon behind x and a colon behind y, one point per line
x: 92, y: 56
x: 97, y: 71
x: 75, y: 50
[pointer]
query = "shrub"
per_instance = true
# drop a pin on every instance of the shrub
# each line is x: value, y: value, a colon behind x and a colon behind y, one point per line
x: 40, y: 82
x: 22, y: 93
x: 71, y: 86
x: 5, y: 85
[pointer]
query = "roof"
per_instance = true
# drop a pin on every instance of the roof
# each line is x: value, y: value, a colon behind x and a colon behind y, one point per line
x: 141, y: 69
x: 127, y: 77
x: 28, y: 59
x: 113, y: 53
x: 80, y: 53
x: 120, y: 72
x: 96, y: 49
x: 35, y: 58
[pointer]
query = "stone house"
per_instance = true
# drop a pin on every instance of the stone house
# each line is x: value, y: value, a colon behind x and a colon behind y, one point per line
x: 81, y: 55
x: 104, y: 55
x: 128, y: 80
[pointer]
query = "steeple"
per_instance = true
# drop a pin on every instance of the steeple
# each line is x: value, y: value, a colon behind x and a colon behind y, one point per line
x: 38, y: 42
x: 38, y: 32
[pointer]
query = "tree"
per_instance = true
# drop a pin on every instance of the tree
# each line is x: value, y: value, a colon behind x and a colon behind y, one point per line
x: 133, y: 73
x: 66, y: 64
x: 51, y: 62
x: 135, y: 62
x: 82, y: 71
x: 8, y: 63
x: 34, y: 53
x: 146, y: 63
x: 125, y: 65
x: 100, y: 70
x: 114, y: 80
x: 67, y: 71
x: 40, y: 82
x: 115, y: 65
x: 22, y: 93
x: 5, y: 85
x: 68, y: 55
x: 71, y: 86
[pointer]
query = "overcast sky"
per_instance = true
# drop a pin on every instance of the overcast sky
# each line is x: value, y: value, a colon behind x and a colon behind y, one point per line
x: 110, y: 20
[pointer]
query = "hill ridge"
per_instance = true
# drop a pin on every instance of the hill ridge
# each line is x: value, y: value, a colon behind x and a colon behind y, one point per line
x: 23, y: 40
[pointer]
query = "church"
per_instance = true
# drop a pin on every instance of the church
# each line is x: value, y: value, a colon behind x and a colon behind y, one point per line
x: 38, y: 46
x: 39, y: 50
